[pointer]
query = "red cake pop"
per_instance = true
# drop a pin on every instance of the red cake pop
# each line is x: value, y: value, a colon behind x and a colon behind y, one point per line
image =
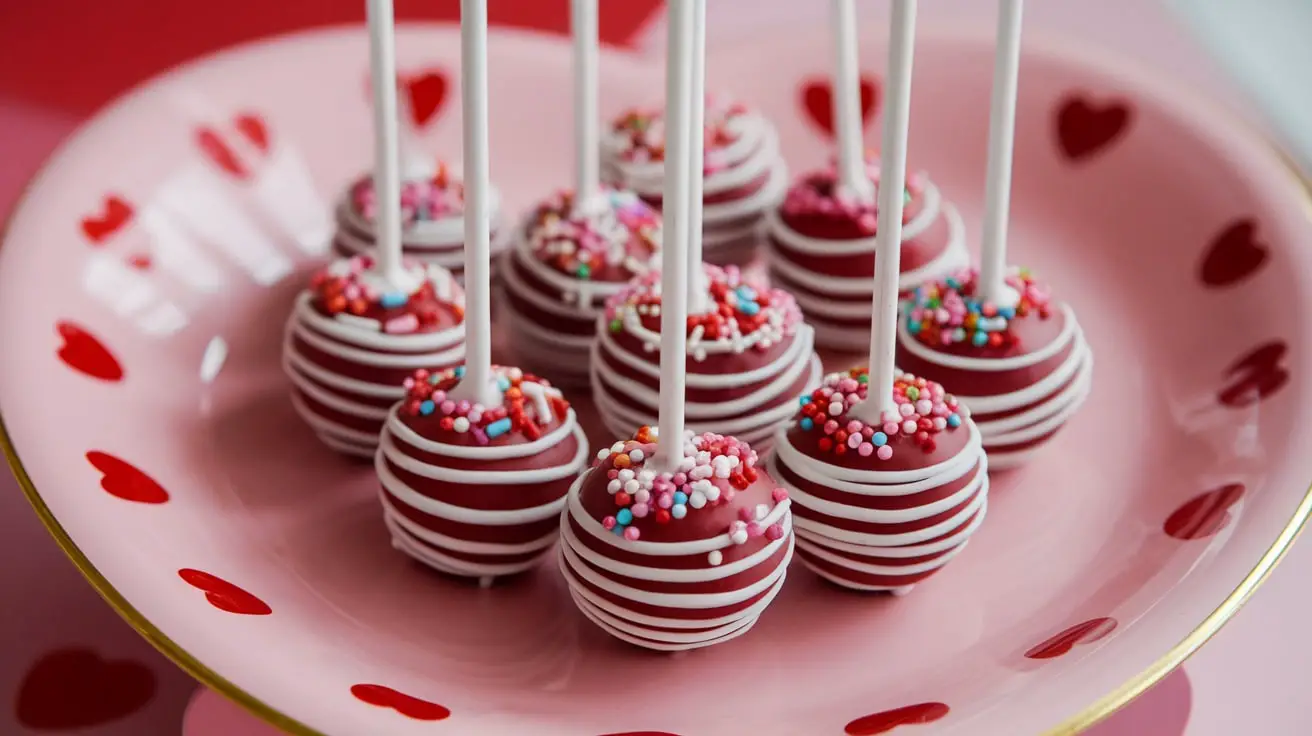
x: 881, y: 507
x: 677, y: 560
x: 744, y: 175
x: 823, y: 250
x: 350, y: 342
x: 1023, y: 370
x: 563, y: 267
x: 476, y: 491
x: 432, y: 221
x: 748, y: 358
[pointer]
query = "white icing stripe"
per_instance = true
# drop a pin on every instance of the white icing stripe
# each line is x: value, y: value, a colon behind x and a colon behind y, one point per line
x: 886, y: 516
x: 759, y: 202
x: 659, y: 646
x: 955, y: 256
x: 852, y: 585
x: 1069, y: 329
x: 747, y: 157
x: 564, y: 368
x: 528, y: 328
x: 802, y: 343
x: 347, y: 448
x: 422, y: 233
x: 466, y: 546
x: 834, y: 536
x: 871, y: 546
x: 424, y: 342
x: 294, y: 361
x: 388, y: 449
x: 848, y: 338
x: 820, y: 471
x: 487, y: 452
x: 402, y: 541
x: 868, y: 568
x: 1072, y: 404
x: 433, y: 507
x: 692, y: 575
x: 682, y: 601
x: 1053, y: 401
x: 720, y: 236
x: 656, y: 549
x: 929, y: 212
x: 612, y: 622
x: 554, y: 307
x: 367, y: 357
x: 585, y: 292
x: 333, y: 401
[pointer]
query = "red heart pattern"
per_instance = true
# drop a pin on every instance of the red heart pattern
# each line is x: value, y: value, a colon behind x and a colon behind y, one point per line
x: 1203, y: 515
x: 115, y: 212
x: 427, y: 92
x: 1255, y: 376
x: 1085, y: 632
x: 124, y: 480
x: 73, y: 689
x: 252, y: 126
x: 407, y: 705
x: 220, y: 153
x: 1084, y: 128
x: 885, y: 721
x: 818, y: 102
x: 223, y: 595
x: 84, y: 353
x: 1233, y: 255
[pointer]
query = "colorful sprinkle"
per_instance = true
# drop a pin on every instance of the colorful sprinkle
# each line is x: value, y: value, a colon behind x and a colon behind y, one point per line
x: 919, y: 403
x: 615, y: 242
x: 948, y: 312
x: 529, y: 405
x: 422, y: 200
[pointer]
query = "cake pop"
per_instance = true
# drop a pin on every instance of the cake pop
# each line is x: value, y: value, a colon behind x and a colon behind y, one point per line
x: 575, y: 249
x: 473, y: 490
x: 744, y: 175
x: 1018, y: 358
x: 350, y: 341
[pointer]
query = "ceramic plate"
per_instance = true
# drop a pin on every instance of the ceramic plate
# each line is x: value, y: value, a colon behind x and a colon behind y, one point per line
x: 145, y: 279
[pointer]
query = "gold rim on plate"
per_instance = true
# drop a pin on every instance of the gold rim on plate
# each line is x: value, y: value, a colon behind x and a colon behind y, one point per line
x: 1097, y: 711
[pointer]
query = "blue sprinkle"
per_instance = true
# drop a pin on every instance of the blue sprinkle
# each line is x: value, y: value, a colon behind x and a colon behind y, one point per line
x: 503, y: 384
x: 499, y: 427
x: 393, y: 299
x: 434, y: 378
x: 679, y: 511
x: 680, y: 498
x: 428, y: 407
x: 618, y: 529
x: 749, y: 308
x: 806, y: 424
x: 624, y: 517
x: 879, y: 439
x: 460, y: 371
x: 913, y: 327
x: 954, y: 420
x: 1007, y: 312
x: 804, y: 400
x: 746, y: 293
x: 979, y: 339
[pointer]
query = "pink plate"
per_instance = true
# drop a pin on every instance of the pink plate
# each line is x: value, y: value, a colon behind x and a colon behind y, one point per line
x: 146, y: 277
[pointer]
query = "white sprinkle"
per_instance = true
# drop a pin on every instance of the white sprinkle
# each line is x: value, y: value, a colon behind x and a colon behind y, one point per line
x: 614, y: 487
x: 461, y: 424
x: 697, y: 499
x: 715, y: 557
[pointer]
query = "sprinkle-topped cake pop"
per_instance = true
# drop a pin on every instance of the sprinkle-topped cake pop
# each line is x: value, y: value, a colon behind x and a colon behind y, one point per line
x: 743, y: 173
x: 823, y: 249
x: 1023, y: 369
x: 432, y: 219
x: 566, y: 262
x: 676, y: 560
x: 476, y: 491
x: 882, y: 505
x: 351, y: 340
x: 748, y: 357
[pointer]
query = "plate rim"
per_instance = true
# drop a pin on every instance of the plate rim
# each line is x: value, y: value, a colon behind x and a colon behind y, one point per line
x: 1048, y: 43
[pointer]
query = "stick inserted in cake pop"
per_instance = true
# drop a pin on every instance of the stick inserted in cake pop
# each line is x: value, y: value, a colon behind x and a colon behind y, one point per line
x: 1002, y: 136
x: 674, y: 258
x: 477, y: 385
x: 847, y: 103
x: 892, y: 186
x: 587, y: 137
x: 698, y: 302
x: 387, y: 166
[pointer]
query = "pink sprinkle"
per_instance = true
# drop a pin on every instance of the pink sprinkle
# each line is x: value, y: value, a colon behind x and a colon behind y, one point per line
x: 854, y: 440
x: 775, y: 532
x: 665, y: 501
x: 906, y: 410
x: 612, y: 474
x: 779, y: 494
x: 480, y: 436
x: 853, y: 426
x: 884, y: 452
x: 909, y: 426
x: 463, y: 406
x: 679, y: 479
x: 631, y: 533
x: 728, y: 494
x: 831, y: 426
x: 608, y: 522
x: 866, y: 449
x: 890, y: 428
x: 746, y: 514
x: 754, y: 530
x: 639, y: 509
x: 924, y: 407
x: 448, y: 406
x: 643, y: 496
x: 406, y: 323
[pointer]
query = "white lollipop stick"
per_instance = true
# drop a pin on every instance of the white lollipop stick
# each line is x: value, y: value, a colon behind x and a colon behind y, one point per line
x: 587, y: 145
x: 1002, y: 136
x: 387, y: 169
x: 477, y: 385
x: 847, y: 104
x: 674, y: 258
x: 698, y: 303
x: 892, y: 185
x: 415, y: 163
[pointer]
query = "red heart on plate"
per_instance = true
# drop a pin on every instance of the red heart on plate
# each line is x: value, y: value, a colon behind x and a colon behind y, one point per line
x: 1084, y: 128
x: 818, y: 102
x: 407, y: 705
x: 427, y: 91
x: 124, y: 480
x: 1255, y: 376
x: 1233, y: 255
x: 885, y: 721
x: 252, y: 126
x: 1085, y: 632
x: 223, y: 595
x: 1204, y: 514
x: 72, y: 689
x: 82, y: 352
x: 114, y: 214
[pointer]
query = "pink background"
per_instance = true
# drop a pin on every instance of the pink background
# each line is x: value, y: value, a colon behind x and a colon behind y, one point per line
x: 104, y: 671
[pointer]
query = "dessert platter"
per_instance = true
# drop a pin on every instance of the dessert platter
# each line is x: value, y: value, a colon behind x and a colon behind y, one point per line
x: 708, y: 389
